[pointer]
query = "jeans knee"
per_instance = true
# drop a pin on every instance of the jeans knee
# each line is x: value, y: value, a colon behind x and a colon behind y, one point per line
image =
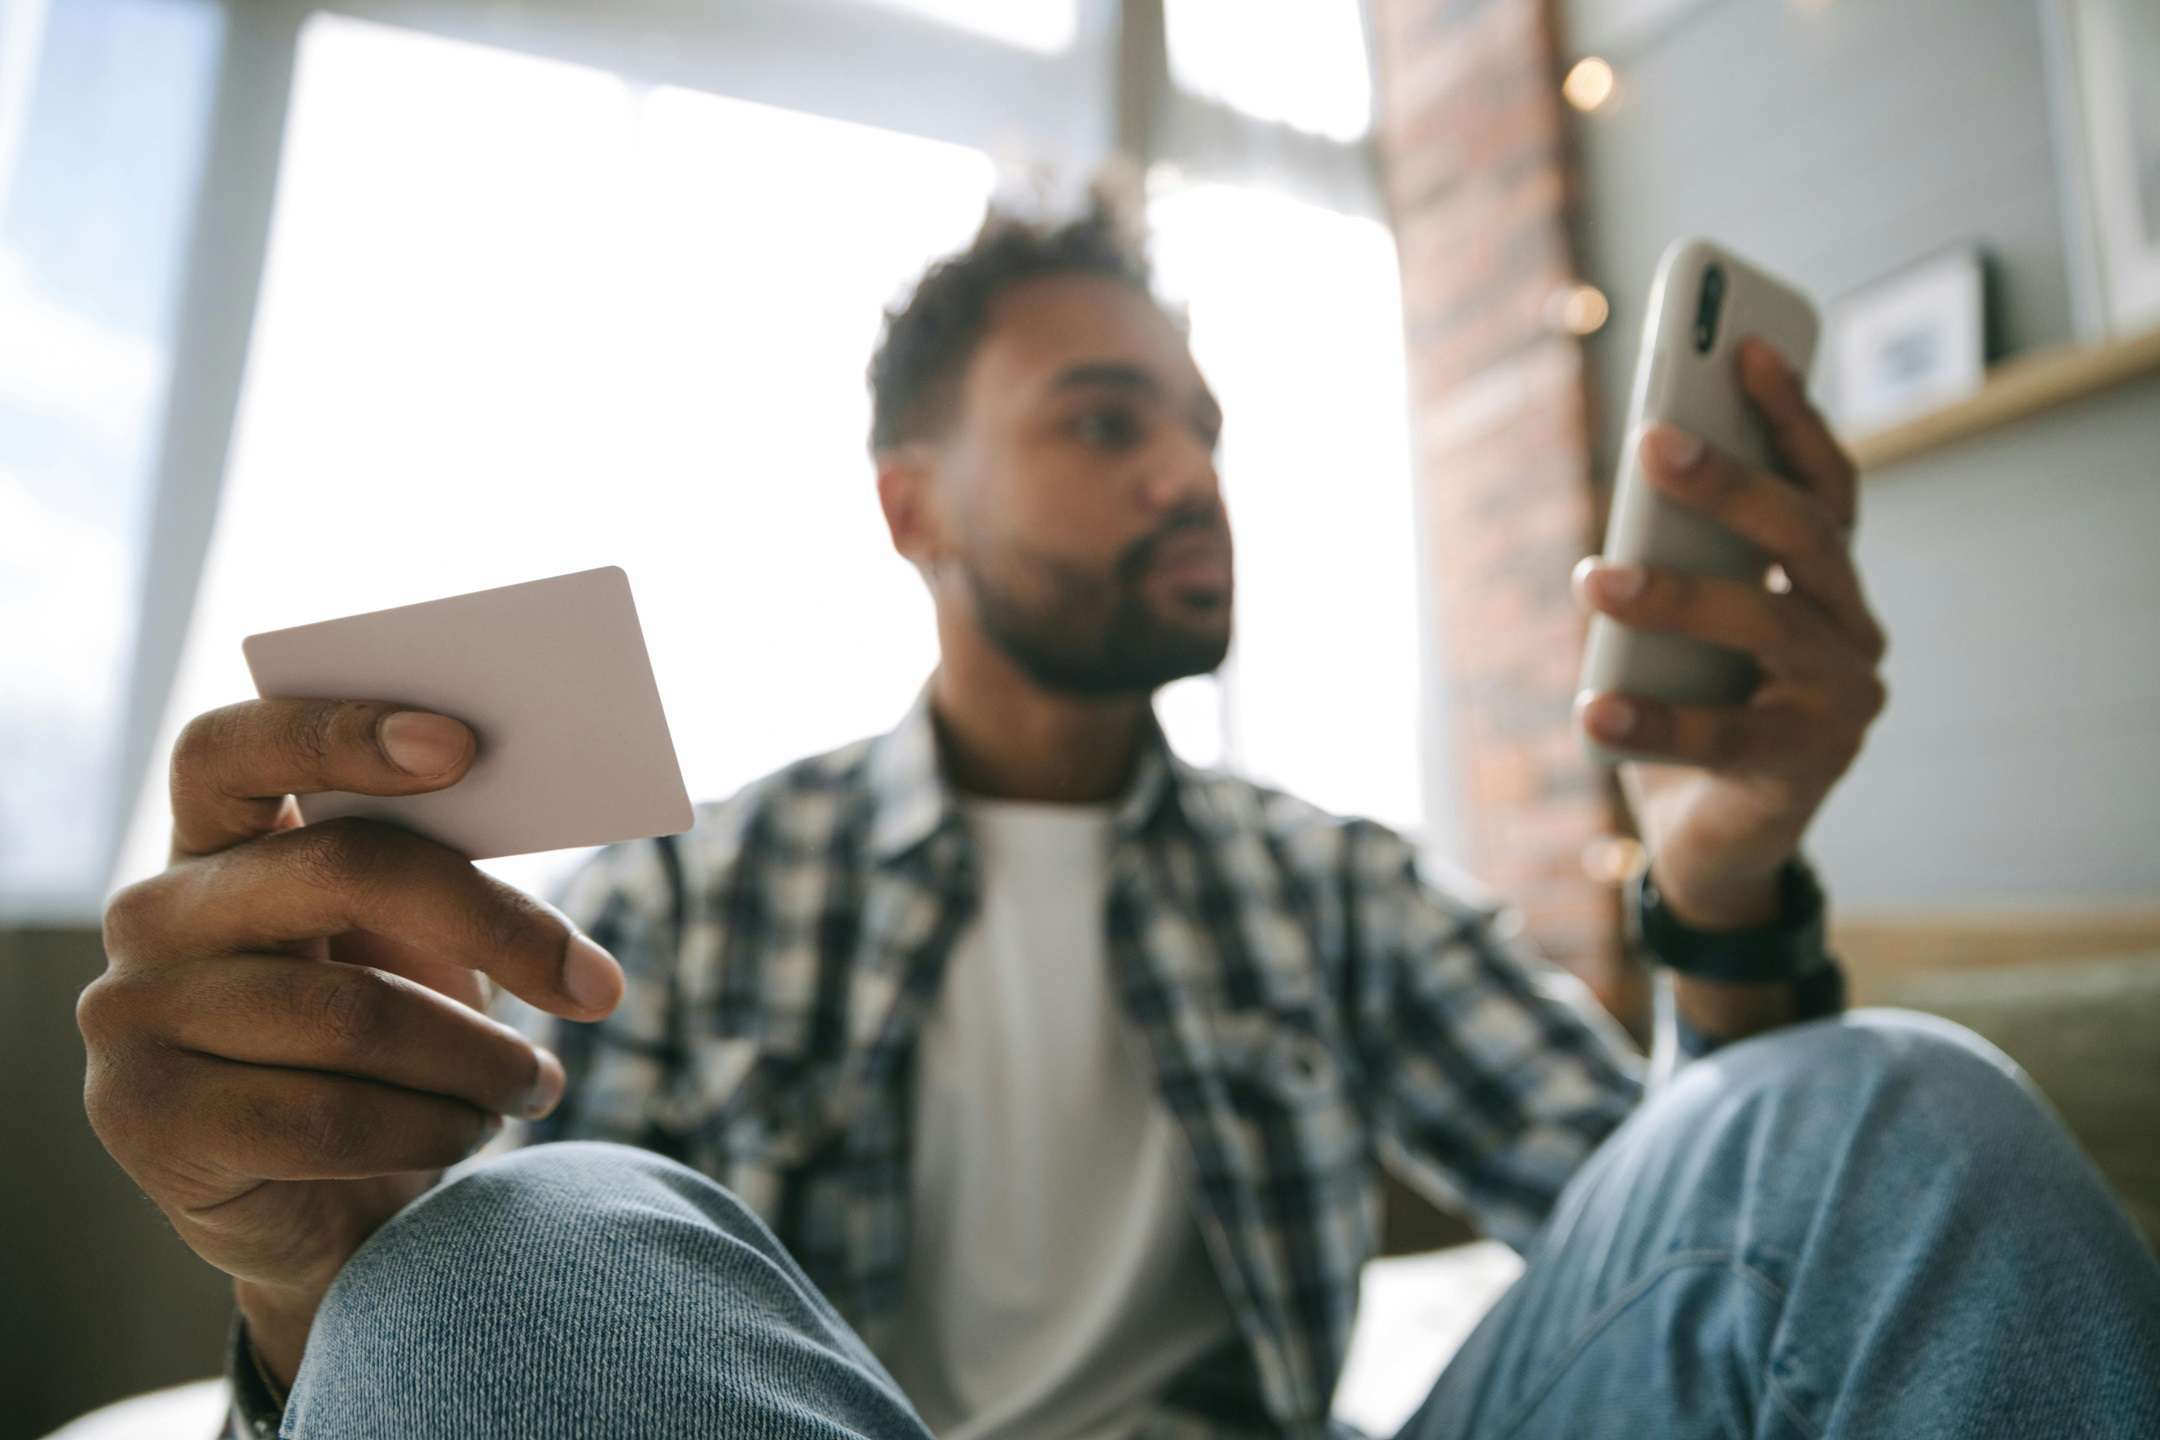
x: 532, y: 1217
x: 1894, y: 1082
x: 576, y: 1180
x: 1865, y: 1052
x: 559, y: 1289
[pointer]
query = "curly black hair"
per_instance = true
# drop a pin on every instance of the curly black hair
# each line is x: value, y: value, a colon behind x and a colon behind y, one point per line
x: 925, y: 343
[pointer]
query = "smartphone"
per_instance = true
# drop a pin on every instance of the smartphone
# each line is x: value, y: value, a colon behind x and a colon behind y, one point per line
x: 1703, y: 302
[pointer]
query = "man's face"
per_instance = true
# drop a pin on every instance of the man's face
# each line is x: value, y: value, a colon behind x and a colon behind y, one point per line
x: 1077, y: 495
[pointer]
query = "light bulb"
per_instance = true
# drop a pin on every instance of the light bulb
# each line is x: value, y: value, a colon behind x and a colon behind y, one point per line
x: 1589, y: 83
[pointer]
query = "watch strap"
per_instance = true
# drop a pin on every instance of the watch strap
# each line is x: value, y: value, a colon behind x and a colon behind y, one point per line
x: 1790, y: 948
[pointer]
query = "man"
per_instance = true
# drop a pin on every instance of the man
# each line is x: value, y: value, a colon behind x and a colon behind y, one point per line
x: 1062, y: 1073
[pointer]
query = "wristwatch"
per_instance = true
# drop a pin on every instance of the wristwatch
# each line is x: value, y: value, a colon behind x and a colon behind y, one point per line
x: 1791, y: 948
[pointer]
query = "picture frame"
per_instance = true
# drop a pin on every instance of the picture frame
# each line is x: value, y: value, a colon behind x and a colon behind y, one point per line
x: 1910, y: 341
x: 2101, y: 57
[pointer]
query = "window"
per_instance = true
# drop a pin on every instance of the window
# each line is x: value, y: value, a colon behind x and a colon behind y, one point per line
x: 102, y: 113
x: 1300, y: 62
x: 1297, y: 321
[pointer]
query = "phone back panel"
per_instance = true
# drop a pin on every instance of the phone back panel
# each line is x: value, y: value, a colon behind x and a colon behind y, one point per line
x: 1700, y: 393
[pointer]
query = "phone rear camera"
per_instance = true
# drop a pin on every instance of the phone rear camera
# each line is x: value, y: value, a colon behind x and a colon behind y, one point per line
x: 1707, y: 307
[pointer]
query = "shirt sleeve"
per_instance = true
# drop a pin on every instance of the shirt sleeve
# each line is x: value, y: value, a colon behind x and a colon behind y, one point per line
x: 1496, y: 1073
x: 618, y: 1070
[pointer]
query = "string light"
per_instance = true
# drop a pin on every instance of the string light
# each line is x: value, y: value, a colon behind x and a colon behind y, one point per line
x: 1589, y: 83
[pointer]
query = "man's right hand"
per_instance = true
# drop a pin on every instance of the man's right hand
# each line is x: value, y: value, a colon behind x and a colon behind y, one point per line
x: 288, y: 1043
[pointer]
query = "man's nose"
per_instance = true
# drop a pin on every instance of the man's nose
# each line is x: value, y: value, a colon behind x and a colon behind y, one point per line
x: 1184, y: 475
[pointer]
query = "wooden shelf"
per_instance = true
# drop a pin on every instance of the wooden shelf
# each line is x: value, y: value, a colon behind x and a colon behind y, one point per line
x: 2020, y: 387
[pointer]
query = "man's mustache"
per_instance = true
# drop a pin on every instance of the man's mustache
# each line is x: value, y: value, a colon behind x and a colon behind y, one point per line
x: 1139, y: 555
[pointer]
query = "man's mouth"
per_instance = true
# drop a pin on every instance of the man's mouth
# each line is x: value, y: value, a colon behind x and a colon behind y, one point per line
x: 1193, y: 561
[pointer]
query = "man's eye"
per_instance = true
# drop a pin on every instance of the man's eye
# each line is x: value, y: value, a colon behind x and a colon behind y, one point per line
x: 1113, y: 428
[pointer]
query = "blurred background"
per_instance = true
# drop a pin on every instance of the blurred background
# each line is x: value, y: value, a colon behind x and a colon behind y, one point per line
x: 308, y: 309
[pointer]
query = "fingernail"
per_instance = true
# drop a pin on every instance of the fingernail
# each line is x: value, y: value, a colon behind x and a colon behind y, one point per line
x: 1679, y: 449
x: 590, y: 976
x: 1611, y: 716
x: 1617, y: 583
x: 422, y: 744
x: 547, y: 1087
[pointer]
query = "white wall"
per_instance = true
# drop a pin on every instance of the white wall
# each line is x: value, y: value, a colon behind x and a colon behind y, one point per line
x: 2019, y: 762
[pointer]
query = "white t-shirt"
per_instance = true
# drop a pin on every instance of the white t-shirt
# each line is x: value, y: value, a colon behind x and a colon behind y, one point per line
x: 1056, y: 1276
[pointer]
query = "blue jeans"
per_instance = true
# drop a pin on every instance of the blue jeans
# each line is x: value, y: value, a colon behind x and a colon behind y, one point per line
x: 1860, y: 1227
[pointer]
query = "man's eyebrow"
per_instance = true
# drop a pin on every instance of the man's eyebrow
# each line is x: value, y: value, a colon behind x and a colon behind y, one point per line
x: 1120, y: 376
x: 1115, y: 374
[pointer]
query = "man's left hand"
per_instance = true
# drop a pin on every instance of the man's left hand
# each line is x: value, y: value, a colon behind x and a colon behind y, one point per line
x: 1741, y: 782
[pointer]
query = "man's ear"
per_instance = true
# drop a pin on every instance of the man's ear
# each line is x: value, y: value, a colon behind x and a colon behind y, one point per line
x: 905, y: 480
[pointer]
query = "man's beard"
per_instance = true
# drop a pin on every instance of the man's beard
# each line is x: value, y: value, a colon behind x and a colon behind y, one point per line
x: 1132, y: 650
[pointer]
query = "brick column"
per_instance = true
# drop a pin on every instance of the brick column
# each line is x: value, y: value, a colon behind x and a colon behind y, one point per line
x: 1478, y: 184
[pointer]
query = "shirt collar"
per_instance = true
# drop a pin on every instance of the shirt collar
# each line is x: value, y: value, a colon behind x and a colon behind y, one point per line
x: 911, y: 799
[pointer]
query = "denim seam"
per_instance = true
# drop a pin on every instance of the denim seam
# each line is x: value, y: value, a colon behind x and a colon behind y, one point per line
x: 1772, y: 1386
x: 1784, y: 1402
x: 1679, y: 1260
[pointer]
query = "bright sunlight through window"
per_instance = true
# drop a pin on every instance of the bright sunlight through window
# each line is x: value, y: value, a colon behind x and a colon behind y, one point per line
x: 1301, y: 62
x: 1297, y: 322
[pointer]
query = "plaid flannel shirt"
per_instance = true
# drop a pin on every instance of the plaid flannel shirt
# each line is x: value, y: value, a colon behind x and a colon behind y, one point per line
x: 1309, y: 1008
